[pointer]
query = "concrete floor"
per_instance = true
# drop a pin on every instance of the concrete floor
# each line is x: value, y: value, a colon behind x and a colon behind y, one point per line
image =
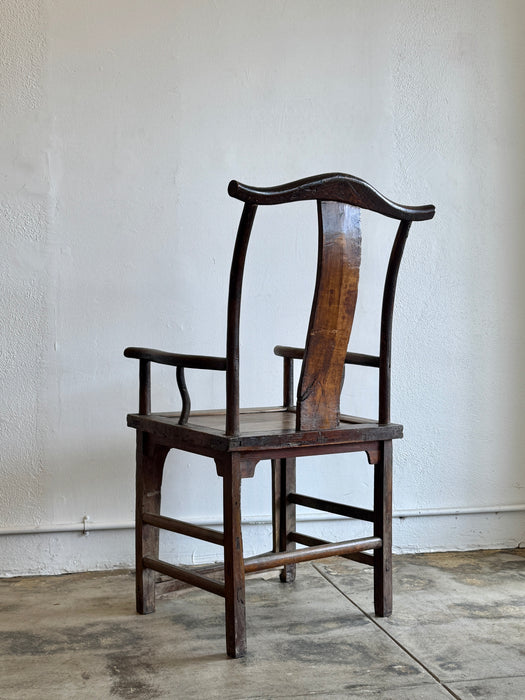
x: 458, y: 630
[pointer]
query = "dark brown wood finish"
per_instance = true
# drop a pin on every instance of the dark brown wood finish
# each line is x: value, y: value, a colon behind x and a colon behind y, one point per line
x: 288, y: 383
x: 283, y: 511
x: 331, y: 187
x: 234, y: 315
x: 331, y: 507
x: 183, y: 528
x: 145, y: 387
x: 385, y: 350
x: 383, y: 530
x: 185, y: 396
x: 176, y: 360
x: 310, y: 541
x: 182, y: 574
x: 234, y: 569
x: 321, y: 551
x: 150, y: 466
x: 238, y: 439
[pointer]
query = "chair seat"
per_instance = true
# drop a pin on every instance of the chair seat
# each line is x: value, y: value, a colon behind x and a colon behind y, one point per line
x: 262, y: 429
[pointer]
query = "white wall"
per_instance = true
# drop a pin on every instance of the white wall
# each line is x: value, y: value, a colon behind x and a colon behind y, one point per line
x: 122, y: 123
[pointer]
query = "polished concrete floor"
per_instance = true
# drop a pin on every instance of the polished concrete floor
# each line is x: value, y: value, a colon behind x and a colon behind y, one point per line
x: 458, y: 630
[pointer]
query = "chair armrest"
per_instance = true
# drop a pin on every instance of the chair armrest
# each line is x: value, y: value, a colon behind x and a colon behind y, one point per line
x: 176, y: 359
x: 290, y: 353
x: 147, y: 355
x: 352, y: 358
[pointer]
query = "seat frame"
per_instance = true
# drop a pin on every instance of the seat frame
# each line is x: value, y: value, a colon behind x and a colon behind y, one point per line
x: 237, y: 439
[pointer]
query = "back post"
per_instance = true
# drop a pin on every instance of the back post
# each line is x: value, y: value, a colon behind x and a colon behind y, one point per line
x: 234, y: 315
x: 385, y: 346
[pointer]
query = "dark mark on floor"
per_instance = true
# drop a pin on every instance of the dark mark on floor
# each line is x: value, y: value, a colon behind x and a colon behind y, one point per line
x: 131, y: 677
x: 67, y: 639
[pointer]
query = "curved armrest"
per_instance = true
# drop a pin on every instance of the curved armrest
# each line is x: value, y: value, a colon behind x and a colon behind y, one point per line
x: 176, y: 359
x: 147, y: 355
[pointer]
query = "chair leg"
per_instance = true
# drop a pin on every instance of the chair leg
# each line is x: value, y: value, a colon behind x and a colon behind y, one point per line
x: 150, y: 465
x: 233, y: 559
x: 283, y: 512
x: 383, y: 529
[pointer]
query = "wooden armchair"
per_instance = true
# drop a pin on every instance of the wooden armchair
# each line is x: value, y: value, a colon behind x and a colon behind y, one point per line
x: 238, y: 439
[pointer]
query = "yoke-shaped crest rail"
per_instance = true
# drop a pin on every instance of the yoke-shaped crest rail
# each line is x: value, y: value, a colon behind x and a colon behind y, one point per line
x: 335, y: 187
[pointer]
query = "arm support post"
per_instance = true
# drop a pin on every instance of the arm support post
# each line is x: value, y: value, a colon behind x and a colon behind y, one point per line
x: 144, y: 387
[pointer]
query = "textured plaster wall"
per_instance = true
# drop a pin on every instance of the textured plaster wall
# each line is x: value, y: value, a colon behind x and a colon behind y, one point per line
x: 122, y: 122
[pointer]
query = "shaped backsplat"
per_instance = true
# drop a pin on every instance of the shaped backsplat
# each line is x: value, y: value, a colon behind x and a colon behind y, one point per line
x: 331, y: 318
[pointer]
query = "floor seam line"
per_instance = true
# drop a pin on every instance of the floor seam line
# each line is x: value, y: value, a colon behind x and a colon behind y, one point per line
x: 388, y: 634
x: 488, y: 678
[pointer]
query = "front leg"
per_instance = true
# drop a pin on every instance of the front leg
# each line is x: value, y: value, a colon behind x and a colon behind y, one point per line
x: 150, y: 466
x: 383, y: 529
x: 231, y: 468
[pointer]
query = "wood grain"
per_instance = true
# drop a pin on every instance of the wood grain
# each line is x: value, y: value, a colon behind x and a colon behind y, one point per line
x: 331, y: 318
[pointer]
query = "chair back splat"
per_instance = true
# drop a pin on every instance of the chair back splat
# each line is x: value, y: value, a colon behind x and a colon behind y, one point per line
x: 311, y: 424
x: 331, y: 317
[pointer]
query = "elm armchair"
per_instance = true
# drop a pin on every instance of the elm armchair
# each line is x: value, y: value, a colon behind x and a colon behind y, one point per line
x: 309, y: 421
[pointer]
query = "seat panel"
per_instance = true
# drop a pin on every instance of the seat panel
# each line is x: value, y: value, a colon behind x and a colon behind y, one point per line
x: 263, y: 427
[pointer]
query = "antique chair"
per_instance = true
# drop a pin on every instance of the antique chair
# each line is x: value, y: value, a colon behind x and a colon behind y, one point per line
x: 237, y: 439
